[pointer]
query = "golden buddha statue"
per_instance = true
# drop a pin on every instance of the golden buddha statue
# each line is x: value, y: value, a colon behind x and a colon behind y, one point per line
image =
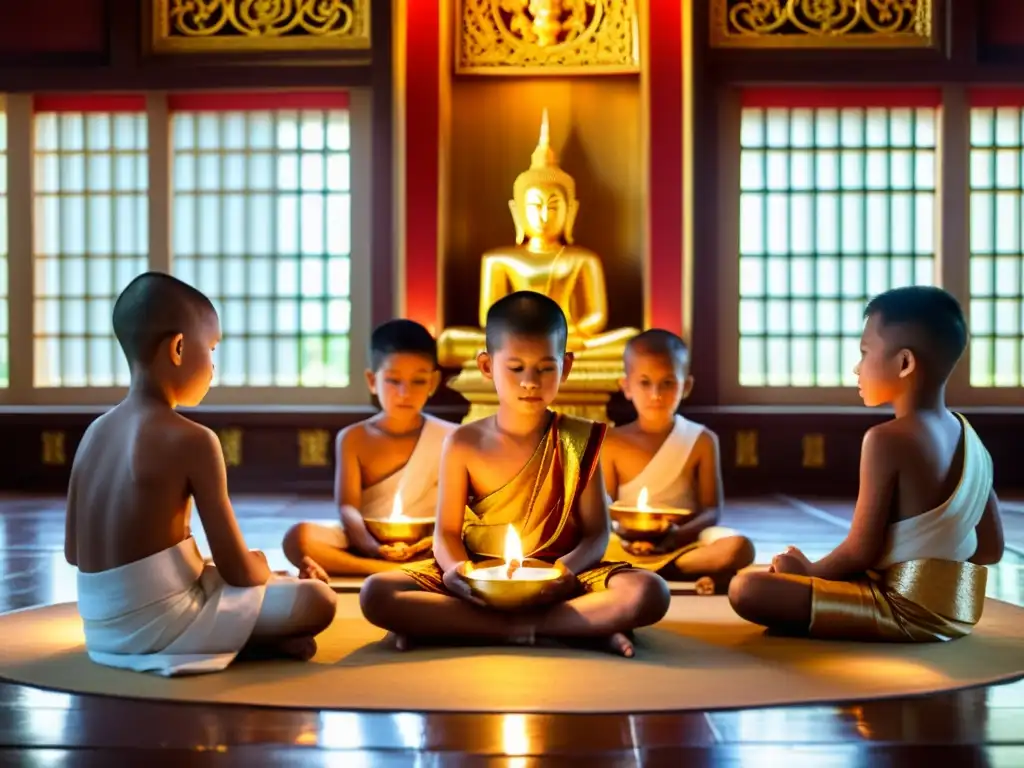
x: 546, y: 260
x: 544, y: 208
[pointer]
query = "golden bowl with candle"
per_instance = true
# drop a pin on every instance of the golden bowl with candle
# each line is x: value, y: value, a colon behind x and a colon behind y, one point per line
x: 511, y: 589
x: 397, y: 528
x: 644, y: 522
x: 528, y: 587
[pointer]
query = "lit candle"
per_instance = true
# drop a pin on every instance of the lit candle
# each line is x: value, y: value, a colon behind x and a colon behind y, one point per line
x: 513, y: 569
x: 396, y: 510
x: 641, y: 500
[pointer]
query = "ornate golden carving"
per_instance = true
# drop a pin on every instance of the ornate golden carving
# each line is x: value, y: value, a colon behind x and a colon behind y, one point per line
x: 260, y: 25
x: 746, y: 448
x: 822, y: 24
x: 514, y: 37
x: 231, y: 444
x: 53, y: 449
x: 313, y: 447
x: 814, y: 451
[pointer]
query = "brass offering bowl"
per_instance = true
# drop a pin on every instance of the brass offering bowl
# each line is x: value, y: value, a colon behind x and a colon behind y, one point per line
x: 488, y: 582
x: 405, y: 530
x: 649, y: 524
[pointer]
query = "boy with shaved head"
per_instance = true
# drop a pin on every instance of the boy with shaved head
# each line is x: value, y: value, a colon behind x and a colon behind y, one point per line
x: 926, y: 523
x: 674, y: 462
x: 537, y: 472
x: 147, y: 599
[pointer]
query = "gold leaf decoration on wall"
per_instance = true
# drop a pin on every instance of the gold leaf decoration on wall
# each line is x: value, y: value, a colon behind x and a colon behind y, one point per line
x: 231, y: 444
x: 53, y: 453
x: 814, y: 451
x: 313, y: 447
x: 557, y: 37
x: 823, y: 24
x: 259, y: 25
x: 746, y: 448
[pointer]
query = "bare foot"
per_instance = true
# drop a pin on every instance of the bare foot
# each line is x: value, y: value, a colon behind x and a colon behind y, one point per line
x: 704, y: 586
x: 301, y: 648
x: 621, y: 644
x: 400, y: 642
x: 311, y: 569
x: 522, y: 630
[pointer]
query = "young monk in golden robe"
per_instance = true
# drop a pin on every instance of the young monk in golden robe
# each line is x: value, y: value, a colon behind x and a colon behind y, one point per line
x: 393, y: 454
x: 537, y: 471
x: 676, y: 461
x: 926, y: 523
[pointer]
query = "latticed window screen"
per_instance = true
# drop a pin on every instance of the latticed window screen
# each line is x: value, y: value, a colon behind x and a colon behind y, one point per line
x: 997, y: 264
x: 91, y: 238
x: 262, y: 225
x: 5, y: 377
x: 837, y: 204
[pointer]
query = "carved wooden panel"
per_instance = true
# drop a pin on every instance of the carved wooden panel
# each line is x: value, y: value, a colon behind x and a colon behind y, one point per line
x: 219, y: 26
x: 816, y: 24
x: 556, y: 37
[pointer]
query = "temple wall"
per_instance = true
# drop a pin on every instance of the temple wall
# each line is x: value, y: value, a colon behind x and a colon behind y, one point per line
x: 596, y: 131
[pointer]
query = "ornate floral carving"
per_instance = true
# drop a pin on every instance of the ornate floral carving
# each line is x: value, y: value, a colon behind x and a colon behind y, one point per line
x: 547, y: 36
x: 822, y: 23
x: 314, y: 445
x: 53, y: 453
x: 231, y: 25
x: 231, y: 444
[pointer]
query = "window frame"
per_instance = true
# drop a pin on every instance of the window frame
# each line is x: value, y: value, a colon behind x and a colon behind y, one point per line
x: 952, y: 254
x: 21, y: 267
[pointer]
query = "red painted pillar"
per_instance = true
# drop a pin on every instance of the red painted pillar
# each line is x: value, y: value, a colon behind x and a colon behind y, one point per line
x: 421, y: 151
x: 665, y: 85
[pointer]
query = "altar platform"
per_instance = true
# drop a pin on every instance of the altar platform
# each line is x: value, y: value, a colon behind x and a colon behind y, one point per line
x: 974, y: 727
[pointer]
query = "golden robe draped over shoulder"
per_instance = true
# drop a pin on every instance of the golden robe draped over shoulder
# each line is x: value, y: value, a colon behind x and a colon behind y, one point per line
x: 923, y: 589
x: 541, y: 503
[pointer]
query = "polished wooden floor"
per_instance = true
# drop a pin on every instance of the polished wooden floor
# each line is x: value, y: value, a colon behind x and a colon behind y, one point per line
x: 981, y: 727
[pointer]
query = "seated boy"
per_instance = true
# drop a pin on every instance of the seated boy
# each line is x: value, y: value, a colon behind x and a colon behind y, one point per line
x: 537, y: 471
x: 926, y: 522
x: 394, y: 453
x: 676, y: 461
x: 148, y: 601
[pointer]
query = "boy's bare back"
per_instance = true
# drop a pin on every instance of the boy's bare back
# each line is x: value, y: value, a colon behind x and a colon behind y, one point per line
x: 130, y: 490
x: 925, y: 451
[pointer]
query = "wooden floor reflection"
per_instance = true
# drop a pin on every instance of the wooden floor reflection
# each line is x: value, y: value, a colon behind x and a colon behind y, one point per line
x: 979, y: 727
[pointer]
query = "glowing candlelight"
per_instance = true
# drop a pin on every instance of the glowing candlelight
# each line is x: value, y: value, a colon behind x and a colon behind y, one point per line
x: 513, y: 569
x: 397, y: 527
x: 641, y: 500
x: 396, y: 509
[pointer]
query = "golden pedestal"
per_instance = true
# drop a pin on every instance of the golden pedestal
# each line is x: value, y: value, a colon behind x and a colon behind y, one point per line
x: 585, y: 393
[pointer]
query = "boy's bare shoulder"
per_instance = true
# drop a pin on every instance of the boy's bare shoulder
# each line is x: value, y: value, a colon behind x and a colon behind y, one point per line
x: 189, y: 438
x: 469, y: 437
x: 708, y: 439
x: 890, y: 439
x: 352, y: 437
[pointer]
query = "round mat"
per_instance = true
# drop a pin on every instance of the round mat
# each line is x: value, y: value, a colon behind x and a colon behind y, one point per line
x: 702, y: 656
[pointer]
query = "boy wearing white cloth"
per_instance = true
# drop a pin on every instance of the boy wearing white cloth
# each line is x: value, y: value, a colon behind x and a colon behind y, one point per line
x: 147, y: 599
x: 926, y: 523
x: 392, y: 456
x: 677, y: 462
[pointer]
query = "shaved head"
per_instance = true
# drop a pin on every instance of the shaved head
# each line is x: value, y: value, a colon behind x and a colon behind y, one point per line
x: 152, y: 308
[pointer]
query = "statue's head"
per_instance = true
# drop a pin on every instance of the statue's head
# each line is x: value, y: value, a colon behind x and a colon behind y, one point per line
x: 543, y: 200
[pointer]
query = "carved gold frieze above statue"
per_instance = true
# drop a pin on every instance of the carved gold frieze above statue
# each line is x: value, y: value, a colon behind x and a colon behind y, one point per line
x: 514, y: 37
x: 545, y: 259
x: 823, y: 23
x: 212, y: 26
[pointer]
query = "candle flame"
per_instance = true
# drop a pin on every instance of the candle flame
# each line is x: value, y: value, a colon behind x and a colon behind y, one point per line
x: 396, y: 508
x: 641, y: 500
x: 513, y: 547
